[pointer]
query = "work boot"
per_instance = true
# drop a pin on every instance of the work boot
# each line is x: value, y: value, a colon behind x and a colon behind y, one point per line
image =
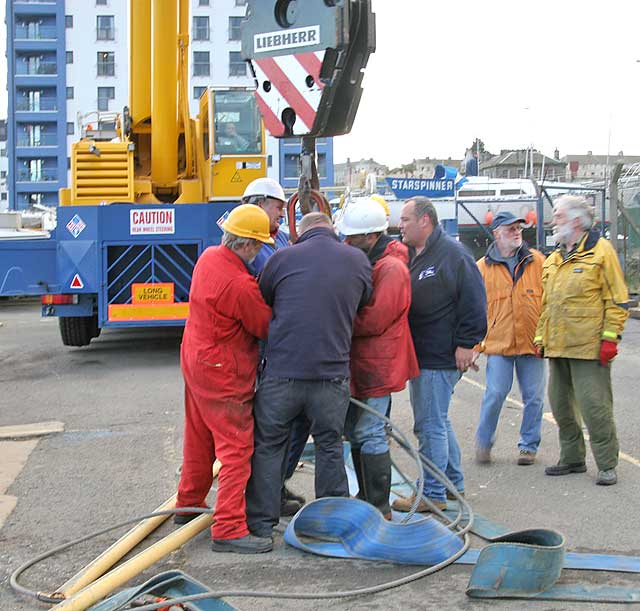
x: 185, y: 518
x: 527, y: 457
x: 376, y: 476
x: 607, y: 478
x: 483, y: 455
x: 357, y: 467
x: 453, y: 497
x: 249, y: 544
x: 292, y: 496
x: 404, y: 504
x: 560, y: 469
x: 290, y: 503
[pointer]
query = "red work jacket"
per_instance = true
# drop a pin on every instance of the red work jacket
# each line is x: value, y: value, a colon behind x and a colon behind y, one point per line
x: 219, y: 353
x: 382, y: 354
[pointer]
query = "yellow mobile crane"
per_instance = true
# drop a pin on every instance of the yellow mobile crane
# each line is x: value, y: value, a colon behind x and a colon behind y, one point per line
x: 141, y: 207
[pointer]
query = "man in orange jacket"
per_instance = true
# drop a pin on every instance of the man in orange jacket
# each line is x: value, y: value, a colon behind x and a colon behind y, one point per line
x: 512, y: 274
x: 219, y: 358
x: 382, y: 354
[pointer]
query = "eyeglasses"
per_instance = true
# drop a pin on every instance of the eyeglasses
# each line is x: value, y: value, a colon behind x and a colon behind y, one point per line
x: 513, y: 229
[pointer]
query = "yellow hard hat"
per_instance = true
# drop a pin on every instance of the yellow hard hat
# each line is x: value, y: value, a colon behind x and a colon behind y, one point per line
x: 381, y: 200
x: 249, y: 221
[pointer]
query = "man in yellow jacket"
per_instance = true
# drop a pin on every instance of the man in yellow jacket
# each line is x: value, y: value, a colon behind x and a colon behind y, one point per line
x: 512, y: 274
x: 583, y: 314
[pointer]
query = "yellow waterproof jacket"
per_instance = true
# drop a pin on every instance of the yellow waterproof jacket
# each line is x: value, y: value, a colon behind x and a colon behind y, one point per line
x: 584, y: 300
x: 513, y: 304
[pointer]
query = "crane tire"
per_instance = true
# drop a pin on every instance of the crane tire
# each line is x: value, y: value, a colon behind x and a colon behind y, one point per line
x: 78, y: 330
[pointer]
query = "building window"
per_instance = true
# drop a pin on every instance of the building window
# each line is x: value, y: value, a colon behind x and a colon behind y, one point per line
x: 105, y: 28
x: 69, y: 93
x: 241, y: 2
x: 3, y: 196
x: 201, y: 28
x: 3, y: 173
x: 68, y: 163
x: 106, y: 63
x: 203, y: 3
x: 291, y: 165
x: 70, y: 128
x: 234, y: 28
x: 237, y: 65
x: 322, y: 165
x: 69, y: 57
x: 197, y: 92
x: 68, y: 21
x: 104, y: 95
x: 201, y: 64
x: 101, y: 2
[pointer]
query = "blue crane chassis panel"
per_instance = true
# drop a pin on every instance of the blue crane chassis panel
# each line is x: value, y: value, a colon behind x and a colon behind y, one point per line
x: 102, y: 250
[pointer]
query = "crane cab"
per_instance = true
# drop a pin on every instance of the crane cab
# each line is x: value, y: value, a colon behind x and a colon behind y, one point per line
x: 232, y: 142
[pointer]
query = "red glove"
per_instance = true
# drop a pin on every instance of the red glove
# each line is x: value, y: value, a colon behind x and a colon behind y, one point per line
x: 539, y: 351
x: 608, y: 351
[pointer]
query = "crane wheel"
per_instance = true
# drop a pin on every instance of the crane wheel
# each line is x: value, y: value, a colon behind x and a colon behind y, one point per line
x: 78, y: 330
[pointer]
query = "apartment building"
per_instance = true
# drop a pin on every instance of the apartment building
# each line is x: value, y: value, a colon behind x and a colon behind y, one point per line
x: 68, y: 60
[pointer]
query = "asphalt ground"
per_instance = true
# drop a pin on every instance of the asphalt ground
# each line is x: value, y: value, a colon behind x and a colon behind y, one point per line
x: 121, y: 402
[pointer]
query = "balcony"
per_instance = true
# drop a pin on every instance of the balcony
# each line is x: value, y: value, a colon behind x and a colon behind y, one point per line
x: 41, y: 105
x: 43, y: 68
x: 36, y: 32
x: 37, y: 141
x: 41, y: 175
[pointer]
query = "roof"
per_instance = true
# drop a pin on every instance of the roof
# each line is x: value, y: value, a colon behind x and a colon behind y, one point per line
x: 518, y: 158
x: 602, y: 159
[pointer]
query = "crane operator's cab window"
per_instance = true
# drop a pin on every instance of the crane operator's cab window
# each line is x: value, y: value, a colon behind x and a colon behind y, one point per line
x: 237, y: 125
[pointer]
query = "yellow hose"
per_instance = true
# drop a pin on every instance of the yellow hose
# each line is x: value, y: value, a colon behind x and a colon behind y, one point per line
x: 117, y: 551
x: 123, y: 546
x: 120, y: 575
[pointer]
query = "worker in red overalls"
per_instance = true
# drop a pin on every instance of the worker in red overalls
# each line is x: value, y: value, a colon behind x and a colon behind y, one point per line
x: 219, y: 358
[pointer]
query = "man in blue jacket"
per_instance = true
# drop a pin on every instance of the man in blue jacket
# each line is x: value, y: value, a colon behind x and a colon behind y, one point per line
x: 315, y: 289
x: 448, y: 318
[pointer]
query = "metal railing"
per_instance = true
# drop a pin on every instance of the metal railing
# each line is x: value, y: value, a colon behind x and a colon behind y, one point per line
x: 39, y: 105
x: 41, y: 32
x: 24, y: 69
x: 36, y: 141
x: 42, y: 175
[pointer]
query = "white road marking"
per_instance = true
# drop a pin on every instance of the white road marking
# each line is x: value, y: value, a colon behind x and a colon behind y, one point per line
x: 549, y: 418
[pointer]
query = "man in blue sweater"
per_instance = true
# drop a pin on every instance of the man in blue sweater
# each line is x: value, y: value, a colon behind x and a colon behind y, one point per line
x: 447, y: 318
x: 315, y: 289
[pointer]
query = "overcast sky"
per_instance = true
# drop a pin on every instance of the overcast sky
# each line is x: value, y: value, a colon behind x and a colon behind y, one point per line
x: 555, y: 73
x: 549, y: 73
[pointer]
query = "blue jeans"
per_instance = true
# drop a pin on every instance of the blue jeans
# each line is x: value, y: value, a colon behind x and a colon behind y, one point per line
x: 277, y: 405
x: 430, y: 395
x: 531, y: 379
x: 365, y: 431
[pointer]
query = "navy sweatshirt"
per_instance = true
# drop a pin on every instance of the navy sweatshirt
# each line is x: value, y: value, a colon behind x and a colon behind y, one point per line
x: 448, y: 301
x: 315, y: 288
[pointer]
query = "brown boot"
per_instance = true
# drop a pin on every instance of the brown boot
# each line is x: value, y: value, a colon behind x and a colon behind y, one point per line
x: 405, y: 504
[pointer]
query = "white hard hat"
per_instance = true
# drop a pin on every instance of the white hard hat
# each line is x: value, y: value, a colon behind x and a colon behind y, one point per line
x: 362, y: 217
x: 265, y: 187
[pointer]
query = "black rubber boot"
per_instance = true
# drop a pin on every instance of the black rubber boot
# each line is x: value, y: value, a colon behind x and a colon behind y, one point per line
x: 376, y: 473
x: 357, y: 465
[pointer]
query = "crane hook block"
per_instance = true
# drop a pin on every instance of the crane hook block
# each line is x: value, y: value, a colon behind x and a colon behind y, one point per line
x: 308, y: 59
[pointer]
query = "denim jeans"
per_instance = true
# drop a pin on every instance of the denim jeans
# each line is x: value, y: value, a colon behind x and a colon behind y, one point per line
x: 278, y: 402
x: 365, y: 431
x: 430, y: 395
x: 531, y: 378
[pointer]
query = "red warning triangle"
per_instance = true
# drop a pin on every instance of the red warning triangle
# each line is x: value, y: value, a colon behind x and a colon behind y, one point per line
x: 76, y: 283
